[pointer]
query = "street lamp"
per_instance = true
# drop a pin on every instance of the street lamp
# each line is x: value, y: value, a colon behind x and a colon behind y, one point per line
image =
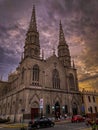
x: 53, y: 109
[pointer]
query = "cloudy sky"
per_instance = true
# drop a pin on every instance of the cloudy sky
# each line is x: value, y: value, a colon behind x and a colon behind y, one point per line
x: 80, y: 24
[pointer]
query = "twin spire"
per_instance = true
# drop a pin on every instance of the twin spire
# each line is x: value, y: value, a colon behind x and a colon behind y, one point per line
x: 32, y: 46
x: 33, y: 25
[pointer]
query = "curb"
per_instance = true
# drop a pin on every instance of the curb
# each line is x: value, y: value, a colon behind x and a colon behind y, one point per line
x: 14, y: 126
x: 25, y: 125
x: 87, y: 128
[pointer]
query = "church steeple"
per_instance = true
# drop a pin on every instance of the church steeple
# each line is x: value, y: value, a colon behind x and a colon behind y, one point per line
x: 32, y: 46
x: 63, y: 50
x: 33, y: 26
x: 61, y: 34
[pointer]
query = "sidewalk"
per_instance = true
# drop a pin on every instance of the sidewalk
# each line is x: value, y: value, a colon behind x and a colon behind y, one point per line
x: 87, y: 128
x: 19, y: 125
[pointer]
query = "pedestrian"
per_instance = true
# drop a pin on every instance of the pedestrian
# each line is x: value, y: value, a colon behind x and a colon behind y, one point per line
x: 65, y: 116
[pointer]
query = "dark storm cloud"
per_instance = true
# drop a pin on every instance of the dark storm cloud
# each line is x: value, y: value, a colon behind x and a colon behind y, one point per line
x: 8, y: 61
x: 79, y: 20
x: 7, y: 56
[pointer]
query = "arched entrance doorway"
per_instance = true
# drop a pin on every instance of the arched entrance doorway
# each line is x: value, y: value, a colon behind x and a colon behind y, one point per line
x: 57, y: 110
x: 34, y: 110
x: 74, y: 109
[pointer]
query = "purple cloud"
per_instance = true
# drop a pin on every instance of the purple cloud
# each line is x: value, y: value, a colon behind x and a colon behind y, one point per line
x: 80, y: 25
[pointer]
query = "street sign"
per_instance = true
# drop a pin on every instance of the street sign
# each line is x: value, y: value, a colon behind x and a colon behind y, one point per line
x: 41, y: 103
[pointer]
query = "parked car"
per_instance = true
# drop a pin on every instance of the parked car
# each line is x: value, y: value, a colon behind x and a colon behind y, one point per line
x: 4, y: 120
x: 40, y: 122
x: 77, y: 118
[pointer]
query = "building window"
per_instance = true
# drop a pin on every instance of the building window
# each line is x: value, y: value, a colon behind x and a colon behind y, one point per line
x: 93, y: 99
x: 89, y: 99
x: 55, y: 79
x: 71, y: 82
x: 22, y: 74
x: 95, y: 109
x: 91, y: 110
x: 35, y: 74
x: 0, y: 109
x: 82, y: 99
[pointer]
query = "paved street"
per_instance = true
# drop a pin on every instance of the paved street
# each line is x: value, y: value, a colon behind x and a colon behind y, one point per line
x: 67, y: 126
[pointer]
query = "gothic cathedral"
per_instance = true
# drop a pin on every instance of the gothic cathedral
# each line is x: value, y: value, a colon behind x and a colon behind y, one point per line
x: 41, y: 86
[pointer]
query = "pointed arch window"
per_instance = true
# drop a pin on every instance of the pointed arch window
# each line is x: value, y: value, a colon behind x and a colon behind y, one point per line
x: 89, y: 98
x: 95, y: 109
x: 22, y: 74
x: 71, y: 82
x: 55, y: 79
x: 93, y: 99
x: 35, y: 75
x: 91, y: 109
x: 0, y: 109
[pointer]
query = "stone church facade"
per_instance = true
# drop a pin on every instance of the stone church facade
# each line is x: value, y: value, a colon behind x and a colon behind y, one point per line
x: 41, y: 86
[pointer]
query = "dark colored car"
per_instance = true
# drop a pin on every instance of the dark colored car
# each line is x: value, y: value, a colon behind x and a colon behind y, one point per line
x: 77, y: 118
x: 40, y: 122
x: 4, y: 120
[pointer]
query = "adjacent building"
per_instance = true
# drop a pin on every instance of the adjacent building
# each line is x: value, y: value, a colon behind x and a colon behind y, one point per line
x: 89, y: 102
